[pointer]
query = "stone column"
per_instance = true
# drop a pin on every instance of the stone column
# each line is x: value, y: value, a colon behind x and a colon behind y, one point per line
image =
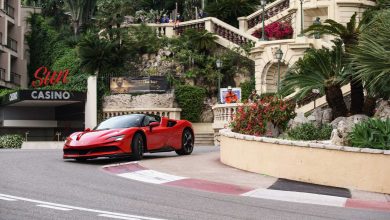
x: 91, y: 103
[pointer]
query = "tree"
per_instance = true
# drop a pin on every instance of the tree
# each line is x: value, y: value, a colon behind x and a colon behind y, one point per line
x: 230, y: 10
x: 371, y: 55
x: 99, y: 55
x: 322, y: 69
x: 81, y: 12
x: 349, y: 34
x: 201, y: 40
x: 111, y: 14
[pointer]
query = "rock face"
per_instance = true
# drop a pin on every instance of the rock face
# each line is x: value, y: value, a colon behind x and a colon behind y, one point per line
x: 318, y: 117
x: 383, y: 111
x: 165, y: 100
x: 342, y: 126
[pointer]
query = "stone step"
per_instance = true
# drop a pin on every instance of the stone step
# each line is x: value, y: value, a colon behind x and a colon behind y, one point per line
x: 204, y: 138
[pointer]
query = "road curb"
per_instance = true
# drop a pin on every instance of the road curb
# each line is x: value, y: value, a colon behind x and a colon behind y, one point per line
x: 134, y: 171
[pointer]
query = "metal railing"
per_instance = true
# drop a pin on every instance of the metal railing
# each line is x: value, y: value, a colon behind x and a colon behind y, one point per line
x: 12, y: 44
x: 2, y: 74
x: 16, y: 78
x: 10, y: 11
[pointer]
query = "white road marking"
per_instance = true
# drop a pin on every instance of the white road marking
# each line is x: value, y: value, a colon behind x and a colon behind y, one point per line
x: 151, y: 176
x: 54, y: 207
x: 117, y: 217
x: 119, y: 164
x: 299, y: 197
x: 78, y: 208
x: 7, y: 199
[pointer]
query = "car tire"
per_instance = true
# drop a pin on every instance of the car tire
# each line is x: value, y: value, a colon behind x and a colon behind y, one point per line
x: 137, y: 147
x: 187, y: 143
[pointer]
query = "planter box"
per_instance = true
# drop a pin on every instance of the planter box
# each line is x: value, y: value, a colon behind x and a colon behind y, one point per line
x: 364, y: 169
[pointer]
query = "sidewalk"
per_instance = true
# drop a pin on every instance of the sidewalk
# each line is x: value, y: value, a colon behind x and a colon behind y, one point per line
x: 207, y: 166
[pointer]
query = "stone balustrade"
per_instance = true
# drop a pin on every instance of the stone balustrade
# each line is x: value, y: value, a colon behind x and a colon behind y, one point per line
x: 172, y: 113
x: 223, y: 114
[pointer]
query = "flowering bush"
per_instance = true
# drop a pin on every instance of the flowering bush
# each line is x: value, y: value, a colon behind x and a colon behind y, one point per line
x: 11, y: 141
x: 252, y: 118
x: 277, y: 30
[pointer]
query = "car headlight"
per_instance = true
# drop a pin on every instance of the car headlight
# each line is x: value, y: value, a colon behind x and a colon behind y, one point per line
x: 68, y: 140
x: 116, y: 138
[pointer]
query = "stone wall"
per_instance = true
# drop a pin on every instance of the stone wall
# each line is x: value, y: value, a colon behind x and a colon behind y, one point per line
x: 166, y: 100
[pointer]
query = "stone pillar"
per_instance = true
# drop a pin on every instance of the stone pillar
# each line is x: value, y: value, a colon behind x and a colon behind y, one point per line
x: 91, y: 103
x: 243, y: 24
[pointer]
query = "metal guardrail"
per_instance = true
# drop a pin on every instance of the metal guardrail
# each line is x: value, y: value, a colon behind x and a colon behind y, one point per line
x: 10, y: 11
x: 12, y: 44
x: 2, y: 74
x: 16, y: 78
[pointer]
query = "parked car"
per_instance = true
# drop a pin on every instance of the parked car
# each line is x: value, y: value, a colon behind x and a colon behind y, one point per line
x: 131, y: 135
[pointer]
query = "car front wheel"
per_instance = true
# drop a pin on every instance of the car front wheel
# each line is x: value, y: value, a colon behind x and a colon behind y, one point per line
x: 137, y: 146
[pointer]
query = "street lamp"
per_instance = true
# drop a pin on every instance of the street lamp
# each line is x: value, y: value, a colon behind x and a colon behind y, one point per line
x: 301, y: 34
x: 263, y: 3
x: 279, y: 56
x: 317, y: 35
x: 219, y: 66
x: 316, y: 92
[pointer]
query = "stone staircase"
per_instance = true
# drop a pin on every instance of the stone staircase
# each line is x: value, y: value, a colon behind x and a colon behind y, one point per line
x: 204, y: 139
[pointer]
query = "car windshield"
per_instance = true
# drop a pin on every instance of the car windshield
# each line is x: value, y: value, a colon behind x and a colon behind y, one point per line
x: 124, y: 121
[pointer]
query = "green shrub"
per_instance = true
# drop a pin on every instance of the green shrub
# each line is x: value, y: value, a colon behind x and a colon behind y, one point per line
x: 190, y: 100
x: 252, y: 118
x: 11, y: 141
x: 373, y: 133
x: 246, y: 89
x: 309, y: 131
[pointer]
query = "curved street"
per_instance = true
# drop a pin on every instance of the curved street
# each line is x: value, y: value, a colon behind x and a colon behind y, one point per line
x: 39, y: 184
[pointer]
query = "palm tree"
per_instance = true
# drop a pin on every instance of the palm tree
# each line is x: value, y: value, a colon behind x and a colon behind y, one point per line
x: 201, y: 40
x: 320, y: 69
x: 99, y: 55
x: 349, y: 34
x: 81, y: 12
x: 111, y: 14
x: 371, y: 55
x: 230, y: 10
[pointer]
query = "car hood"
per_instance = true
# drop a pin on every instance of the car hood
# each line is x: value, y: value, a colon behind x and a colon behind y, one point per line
x: 94, y: 137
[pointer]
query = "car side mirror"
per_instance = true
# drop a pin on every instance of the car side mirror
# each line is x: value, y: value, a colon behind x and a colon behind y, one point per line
x: 153, y: 124
x: 87, y: 130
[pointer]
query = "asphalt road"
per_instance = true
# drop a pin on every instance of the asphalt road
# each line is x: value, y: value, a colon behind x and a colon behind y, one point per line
x: 38, y: 184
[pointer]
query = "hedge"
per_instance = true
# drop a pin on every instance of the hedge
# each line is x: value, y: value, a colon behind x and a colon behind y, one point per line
x: 190, y: 100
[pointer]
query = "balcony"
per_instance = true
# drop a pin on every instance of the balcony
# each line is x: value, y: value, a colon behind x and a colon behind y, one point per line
x: 12, y: 44
x: 10, y: 11
x: 16, y: 78
x: 2, y: 74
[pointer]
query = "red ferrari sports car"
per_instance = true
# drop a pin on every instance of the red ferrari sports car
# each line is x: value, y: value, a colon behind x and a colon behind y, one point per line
x: 133, y: 135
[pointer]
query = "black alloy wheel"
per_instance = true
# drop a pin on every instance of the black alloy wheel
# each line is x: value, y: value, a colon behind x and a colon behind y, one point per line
x: 137, y: 147
x: 187, y: 145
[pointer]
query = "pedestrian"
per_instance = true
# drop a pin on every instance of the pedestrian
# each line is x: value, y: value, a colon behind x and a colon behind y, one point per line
x: 253, y: 97
x: 230, y: 96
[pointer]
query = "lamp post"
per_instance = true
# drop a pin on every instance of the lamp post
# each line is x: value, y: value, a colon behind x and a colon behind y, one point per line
x: 279, y: 56
x: 316, y: 92
x: 301, y: 34
x: 317, y: 35
x: 263, y: 3
x: 219, y: 66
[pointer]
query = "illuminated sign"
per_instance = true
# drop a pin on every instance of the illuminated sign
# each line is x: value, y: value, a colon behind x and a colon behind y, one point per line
x: 50, y: 95
x: 44, y: 77
x: 13, y: 96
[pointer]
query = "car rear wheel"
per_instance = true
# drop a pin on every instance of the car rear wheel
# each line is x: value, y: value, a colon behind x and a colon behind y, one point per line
x: 187, y: 143
x: 137, y: 146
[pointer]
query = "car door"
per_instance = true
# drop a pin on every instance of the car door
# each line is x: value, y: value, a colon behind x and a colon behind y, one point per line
x: 156, y: 137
